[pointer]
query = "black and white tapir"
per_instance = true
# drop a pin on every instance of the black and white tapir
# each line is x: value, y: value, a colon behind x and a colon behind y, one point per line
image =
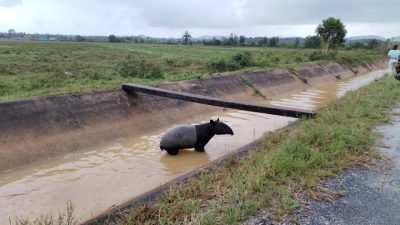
x: 192, y: 136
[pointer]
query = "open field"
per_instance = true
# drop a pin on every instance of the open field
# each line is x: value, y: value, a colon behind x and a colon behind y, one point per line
x: 30, y: 69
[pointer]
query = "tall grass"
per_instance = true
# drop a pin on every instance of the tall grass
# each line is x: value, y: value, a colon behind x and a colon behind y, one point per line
x: 290, y: 164
x: 46, y: 68
x: 62, y: 218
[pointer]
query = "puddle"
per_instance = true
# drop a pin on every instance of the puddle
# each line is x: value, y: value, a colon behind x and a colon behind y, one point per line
x: 98, y: 179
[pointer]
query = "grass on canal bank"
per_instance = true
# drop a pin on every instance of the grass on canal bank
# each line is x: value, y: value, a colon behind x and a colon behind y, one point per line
x: 289, y: 164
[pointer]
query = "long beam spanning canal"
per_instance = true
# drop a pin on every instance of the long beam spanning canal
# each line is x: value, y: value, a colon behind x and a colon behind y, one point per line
x: 268, y: 109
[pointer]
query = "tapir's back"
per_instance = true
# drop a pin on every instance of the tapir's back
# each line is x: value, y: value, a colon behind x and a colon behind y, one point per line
x: 181, y: 136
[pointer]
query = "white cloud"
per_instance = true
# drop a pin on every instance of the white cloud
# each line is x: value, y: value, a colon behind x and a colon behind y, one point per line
x: 172, y: 17
x: 10, y: 3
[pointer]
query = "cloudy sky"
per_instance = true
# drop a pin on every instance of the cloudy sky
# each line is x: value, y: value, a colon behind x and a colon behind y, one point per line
x: 169, y: 18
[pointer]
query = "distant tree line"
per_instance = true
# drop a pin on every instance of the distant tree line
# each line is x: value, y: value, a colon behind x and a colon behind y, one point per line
x: 322, y: 39
x: 235, y: 40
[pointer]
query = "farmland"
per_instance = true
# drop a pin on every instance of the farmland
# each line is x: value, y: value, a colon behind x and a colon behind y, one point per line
x: 29, y: 69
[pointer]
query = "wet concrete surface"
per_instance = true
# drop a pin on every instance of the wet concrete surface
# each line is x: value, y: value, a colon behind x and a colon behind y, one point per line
x: 97, y: 179
x: 370, y: 197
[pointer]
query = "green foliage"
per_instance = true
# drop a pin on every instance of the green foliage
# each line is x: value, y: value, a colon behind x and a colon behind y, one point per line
x: 79, y: 38
x: 263, y: 42
x: 319, y: 55
x: 169, y: 61
x: 232, y: 40
x: 139, y: 68
x: 332, y: 31
x: 296, y: 43
x: 243, y: 59
x: 63, y: 218
x: 237, y: 61
x: 274, y: 42
x: 186, y: 37
x: 30, y: 69
x: 312, y: 42
x: 242, y: 40
x: 221, y: 65
x: 356, y: 45
x: 114, y: 39
x: 373, y: 44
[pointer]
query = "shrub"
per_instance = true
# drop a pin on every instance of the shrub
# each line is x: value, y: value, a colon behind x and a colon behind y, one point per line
x: 169, y: 61
x: 222, y: 65
x: 315, y: 55
x: 91, y: 75
x: 319, y: 55
x: 139, y: 68
x: 298, y: 59
x: 243, y: 59
x: 275, y: 59
x: 237, y: 61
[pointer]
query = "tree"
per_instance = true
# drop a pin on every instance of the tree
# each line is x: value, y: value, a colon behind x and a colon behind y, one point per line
x: 242, y: 40
x: 274, y: 42
x: 79, y: 38
x: 296, y: 43
x: 312, y: 42
x: 263, y: 41
x: 332, y: 32
x: 186, y: 37
x: 232, y: 40
x: 356, y: 45
x: 373, y: 44
x: 112, y: 38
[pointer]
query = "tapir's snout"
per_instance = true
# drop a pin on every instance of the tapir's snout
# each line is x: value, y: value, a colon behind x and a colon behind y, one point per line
x: 231, y: 132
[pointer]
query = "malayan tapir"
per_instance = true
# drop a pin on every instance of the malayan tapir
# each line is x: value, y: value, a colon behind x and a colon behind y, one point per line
x: 192, y: 136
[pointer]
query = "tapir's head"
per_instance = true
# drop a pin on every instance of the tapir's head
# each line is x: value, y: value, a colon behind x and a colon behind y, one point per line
x: 220, y: 127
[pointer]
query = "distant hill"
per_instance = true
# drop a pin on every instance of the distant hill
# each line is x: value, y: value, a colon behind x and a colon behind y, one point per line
x: 366, y: 37
x: 395, y: 39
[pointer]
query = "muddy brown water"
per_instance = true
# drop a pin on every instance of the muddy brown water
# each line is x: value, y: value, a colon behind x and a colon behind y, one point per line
x: 100, y: 178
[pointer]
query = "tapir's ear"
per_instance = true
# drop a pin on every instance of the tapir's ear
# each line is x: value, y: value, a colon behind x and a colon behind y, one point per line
x: 212, y: 121
x: 218, y: 119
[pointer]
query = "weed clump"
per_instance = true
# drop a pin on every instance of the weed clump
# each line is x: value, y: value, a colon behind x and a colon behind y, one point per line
x: 237, y: 61
x: 139, y: 68
x: 319, y: 55
x: 169, y: 61
x: 63, y: 218
x: 243, y: 59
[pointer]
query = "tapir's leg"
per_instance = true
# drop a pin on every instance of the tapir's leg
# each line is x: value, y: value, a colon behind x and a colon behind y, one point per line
x: 172, y: 151
x: 199, y: 148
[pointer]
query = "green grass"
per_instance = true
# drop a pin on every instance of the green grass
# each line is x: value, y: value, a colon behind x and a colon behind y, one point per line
x: 30, y: 69
x: 290, y: 164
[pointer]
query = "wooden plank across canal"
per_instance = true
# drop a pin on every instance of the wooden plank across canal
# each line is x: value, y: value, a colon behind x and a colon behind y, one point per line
x: 207, y: 100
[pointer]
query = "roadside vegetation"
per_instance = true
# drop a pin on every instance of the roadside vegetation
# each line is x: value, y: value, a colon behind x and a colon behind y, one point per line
x: 290, y: 164
x: 29, y: 69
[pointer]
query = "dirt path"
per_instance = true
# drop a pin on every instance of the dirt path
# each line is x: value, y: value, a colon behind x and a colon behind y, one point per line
x: 370, y: 197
